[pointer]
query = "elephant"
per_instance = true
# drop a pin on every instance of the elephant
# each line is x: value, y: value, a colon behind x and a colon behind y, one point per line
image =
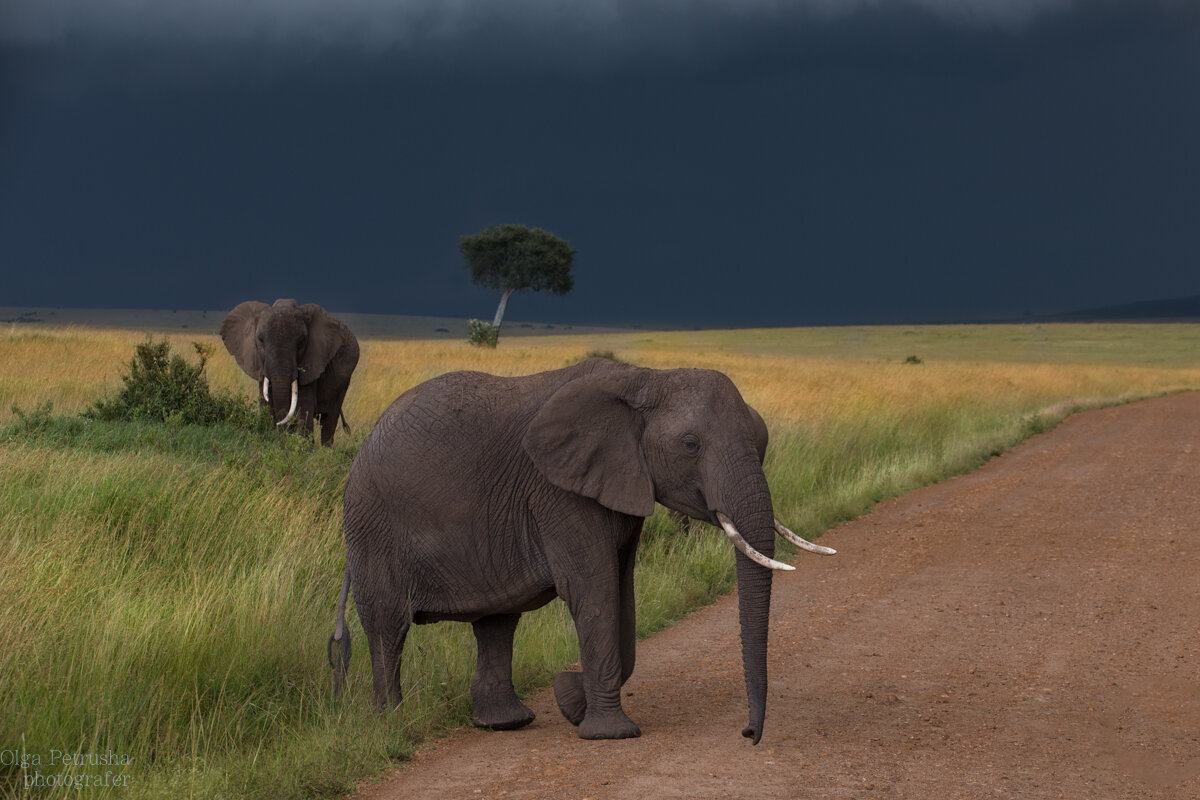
x: 477, y: 498
x: 301, y: 346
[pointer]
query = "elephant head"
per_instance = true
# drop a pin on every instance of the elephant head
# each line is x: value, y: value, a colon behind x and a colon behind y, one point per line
x: 282, y: 345
x: 628, y: 437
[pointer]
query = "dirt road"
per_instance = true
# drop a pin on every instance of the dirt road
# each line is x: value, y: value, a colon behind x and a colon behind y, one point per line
x: 1026, y: 631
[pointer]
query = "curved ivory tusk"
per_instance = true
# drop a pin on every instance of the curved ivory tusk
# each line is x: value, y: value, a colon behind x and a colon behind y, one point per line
x: 744, y: 547
x: 292, y: 410
x: 266, y: 389
x: 803, y: 544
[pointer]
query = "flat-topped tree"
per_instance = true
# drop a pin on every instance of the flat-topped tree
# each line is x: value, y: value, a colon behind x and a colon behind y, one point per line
x: 512, y: 258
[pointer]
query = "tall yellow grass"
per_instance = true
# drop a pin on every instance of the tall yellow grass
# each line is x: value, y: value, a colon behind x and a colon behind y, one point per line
x: 804, y: 376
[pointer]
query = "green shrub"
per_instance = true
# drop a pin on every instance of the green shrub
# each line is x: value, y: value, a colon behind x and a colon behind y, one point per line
x: 482, y: 334
x: 161, y: 385
x: 36, y: 421
x: 609, y: 354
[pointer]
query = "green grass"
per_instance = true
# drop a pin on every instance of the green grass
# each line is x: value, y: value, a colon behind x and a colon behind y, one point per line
x: 168, y: 588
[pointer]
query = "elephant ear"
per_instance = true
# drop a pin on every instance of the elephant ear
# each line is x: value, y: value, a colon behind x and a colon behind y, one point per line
x: 326, y: 335
x: 761, y: 435
x: 587, y: 439
x: 238, y: 334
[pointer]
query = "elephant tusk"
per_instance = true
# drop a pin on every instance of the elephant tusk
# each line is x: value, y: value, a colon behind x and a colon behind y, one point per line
x: 266, y: 389
x: 744, y: 547
x: 292, y: 410
x: 803, y: 544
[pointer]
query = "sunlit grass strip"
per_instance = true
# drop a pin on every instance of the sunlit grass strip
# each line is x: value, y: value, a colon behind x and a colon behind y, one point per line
x: 803, y: 370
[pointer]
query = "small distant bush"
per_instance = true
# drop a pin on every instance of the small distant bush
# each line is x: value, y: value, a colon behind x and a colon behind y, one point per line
x: 35, y: 421
x: 482, y: 334
x: 608, y: 354
x: 912, y: 360
x: 162, y: 385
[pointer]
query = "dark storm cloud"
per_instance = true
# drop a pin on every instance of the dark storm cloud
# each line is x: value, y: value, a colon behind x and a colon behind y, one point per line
x: 713, y: 163
x: 557, y: 34
x: 59, y: 43
x: 437, y: 22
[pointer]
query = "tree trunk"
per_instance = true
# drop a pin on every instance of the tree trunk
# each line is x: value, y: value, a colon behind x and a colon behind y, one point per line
x: 500, y: 309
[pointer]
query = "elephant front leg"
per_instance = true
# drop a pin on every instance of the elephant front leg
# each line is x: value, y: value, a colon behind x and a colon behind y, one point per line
x: 328, y: 426
x: 495, y: 701
x: 305, y: 412
x: 568, y: 686
x: 604, y: 651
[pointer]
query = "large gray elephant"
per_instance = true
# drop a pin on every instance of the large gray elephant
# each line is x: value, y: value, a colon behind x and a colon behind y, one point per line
x: 477, y: 498
x: 301, y: 357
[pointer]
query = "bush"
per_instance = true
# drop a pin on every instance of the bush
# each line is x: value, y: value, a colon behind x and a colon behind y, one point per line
x: 609, y: 354
x: 163, y: 386
x: 38, y: 420
x: 482, y: 334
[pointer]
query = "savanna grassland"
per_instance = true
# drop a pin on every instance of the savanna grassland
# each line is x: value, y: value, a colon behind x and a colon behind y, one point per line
x: 168, y: 590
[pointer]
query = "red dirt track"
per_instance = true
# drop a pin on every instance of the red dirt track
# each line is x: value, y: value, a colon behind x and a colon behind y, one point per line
x: 1025, y: 631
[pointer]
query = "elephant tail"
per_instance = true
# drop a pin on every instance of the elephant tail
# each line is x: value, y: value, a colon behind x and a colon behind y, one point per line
x: 338, y: 648
x: 345, y: 425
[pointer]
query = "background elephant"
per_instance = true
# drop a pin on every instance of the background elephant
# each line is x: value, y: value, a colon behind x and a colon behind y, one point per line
x: 477, y: 498
x: 301, y: 357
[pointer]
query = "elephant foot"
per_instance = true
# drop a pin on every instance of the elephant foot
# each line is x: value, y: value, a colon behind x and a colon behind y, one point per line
x: 501, y: 715
x: 568, y: 691
x: 614, y: 725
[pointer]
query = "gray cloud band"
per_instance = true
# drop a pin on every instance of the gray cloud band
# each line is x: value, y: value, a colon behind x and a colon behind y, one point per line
x: 390, y: 23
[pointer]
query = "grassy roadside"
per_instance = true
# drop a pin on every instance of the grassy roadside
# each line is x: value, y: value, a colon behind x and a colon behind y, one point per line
x: 169, y: 589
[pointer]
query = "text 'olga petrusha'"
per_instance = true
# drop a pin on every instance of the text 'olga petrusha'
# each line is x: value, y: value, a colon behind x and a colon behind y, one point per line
x: 31, y: 762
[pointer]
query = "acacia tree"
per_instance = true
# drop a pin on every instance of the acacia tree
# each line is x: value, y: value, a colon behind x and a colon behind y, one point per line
x: 512, y: 258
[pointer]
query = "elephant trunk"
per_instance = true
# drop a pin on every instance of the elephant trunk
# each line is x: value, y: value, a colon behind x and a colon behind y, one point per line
x: 282, y: 401
x: 752, y: 516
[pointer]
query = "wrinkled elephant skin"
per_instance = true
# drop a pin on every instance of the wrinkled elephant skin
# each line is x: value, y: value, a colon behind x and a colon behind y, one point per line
x: 477, y: 498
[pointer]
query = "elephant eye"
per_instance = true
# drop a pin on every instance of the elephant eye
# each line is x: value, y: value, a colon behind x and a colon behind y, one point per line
x: 691, y: 443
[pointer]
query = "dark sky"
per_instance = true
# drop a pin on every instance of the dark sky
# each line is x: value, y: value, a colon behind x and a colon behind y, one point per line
x: 730, y: 162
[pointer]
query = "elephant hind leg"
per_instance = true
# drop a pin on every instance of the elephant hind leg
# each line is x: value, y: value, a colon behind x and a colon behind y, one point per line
x: 495, y: 701
x: 387, y: 647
